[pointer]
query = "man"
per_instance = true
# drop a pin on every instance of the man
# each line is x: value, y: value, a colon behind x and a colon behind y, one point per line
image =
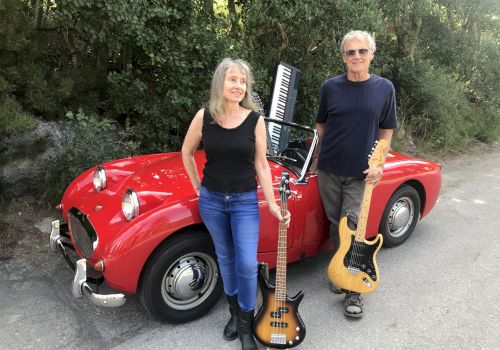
x: 355, y: 110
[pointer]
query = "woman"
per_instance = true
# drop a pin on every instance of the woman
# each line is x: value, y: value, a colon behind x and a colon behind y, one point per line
x: 234, y: 140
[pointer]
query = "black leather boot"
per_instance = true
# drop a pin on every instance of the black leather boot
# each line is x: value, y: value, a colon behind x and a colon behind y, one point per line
x: 231, y: 329
x: 245, y: 330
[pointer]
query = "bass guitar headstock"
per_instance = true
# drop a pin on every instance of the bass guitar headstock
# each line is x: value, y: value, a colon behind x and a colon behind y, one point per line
x: 284, y: 188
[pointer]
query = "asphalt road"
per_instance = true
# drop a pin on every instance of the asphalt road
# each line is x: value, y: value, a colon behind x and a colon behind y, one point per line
x: 440, y: 290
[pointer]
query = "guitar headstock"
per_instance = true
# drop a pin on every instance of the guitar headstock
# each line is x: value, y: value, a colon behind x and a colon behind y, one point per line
x: 377, y: 156
x: 284, y: 188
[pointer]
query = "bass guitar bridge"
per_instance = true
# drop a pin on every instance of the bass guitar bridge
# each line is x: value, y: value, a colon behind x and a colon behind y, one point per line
x: 278, y: 339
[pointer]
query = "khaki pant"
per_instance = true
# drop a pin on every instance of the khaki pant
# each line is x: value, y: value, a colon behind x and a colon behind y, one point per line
x: 340, y: 195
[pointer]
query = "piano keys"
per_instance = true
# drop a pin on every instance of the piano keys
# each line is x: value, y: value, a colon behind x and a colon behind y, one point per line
x: 283, y: 98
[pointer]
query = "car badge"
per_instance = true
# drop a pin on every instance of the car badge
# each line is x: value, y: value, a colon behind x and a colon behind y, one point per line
x: 98, y: 207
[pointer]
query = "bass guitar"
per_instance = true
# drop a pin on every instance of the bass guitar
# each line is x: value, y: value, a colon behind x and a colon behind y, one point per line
x: 354, y: 266
x: 278, y: 323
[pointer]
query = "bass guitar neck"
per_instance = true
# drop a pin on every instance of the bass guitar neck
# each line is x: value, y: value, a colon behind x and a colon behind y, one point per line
x: 278, y: 324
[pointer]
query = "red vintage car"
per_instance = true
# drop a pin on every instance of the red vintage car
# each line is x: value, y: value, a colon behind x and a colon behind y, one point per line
x: 134, y: 223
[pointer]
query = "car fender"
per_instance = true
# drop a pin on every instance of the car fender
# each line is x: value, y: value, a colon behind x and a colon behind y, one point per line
x: 129, y: 251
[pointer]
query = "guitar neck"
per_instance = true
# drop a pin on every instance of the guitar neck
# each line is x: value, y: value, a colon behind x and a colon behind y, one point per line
x: 363, y: 214
x: 281, y: 260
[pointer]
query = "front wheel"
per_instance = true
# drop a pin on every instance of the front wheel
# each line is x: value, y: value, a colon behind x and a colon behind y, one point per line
x: 181, y: 279
x: 400, y: 216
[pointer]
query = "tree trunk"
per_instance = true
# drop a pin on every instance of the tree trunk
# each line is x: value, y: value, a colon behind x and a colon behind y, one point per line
x: 209, y: 8
x: 233, y: 18
x: 38, y: 14
x: 413, y: 39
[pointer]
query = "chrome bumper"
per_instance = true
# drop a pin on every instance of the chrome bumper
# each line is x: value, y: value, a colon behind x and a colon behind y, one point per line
x: 81, y: 284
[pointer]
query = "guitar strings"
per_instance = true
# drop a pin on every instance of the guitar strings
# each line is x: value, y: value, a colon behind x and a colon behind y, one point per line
x: 283, y: 231
x: 358, y: 248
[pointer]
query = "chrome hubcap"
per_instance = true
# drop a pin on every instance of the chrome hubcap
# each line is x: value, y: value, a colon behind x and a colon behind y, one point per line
x: 400, y: 217
x: 189, y: 281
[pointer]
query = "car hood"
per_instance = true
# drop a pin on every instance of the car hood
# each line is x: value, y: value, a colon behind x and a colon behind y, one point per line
x: 155, y: 178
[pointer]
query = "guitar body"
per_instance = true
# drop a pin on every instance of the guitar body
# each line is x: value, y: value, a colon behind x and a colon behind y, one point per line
x: 278, y: 323
x: 354, y: 266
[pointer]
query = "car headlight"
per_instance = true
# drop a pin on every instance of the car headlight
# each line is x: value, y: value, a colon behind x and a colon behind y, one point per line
x: 130, y: 204
x: 99, y: 179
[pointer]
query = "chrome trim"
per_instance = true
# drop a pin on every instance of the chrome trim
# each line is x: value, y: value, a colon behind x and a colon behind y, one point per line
x: 303, y: 173
x: 135, y: 204
x: 100, y: 176
x: 55, y: 236
x: 80, y: 286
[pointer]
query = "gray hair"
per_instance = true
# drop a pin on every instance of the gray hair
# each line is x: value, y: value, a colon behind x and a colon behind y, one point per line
x: 216, y: 103
x: 358, y: 35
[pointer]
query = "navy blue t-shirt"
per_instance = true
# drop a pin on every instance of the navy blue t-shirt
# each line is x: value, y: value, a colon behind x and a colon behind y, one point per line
x: 353, y: 113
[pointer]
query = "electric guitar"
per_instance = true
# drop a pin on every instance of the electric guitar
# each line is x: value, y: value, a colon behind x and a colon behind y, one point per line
x: 278, y: 323
x: 354, y: 267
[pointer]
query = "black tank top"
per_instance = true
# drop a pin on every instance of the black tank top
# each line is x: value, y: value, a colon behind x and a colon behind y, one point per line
x: 230, y: 153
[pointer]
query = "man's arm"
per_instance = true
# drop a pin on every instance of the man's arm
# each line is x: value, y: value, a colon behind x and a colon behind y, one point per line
x: 386, y: 134
x: 320, y: 128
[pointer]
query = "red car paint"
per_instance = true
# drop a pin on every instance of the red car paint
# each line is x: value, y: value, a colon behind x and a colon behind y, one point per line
x: 169, y: 206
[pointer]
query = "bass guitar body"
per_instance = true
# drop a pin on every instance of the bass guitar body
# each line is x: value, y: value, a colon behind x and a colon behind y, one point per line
x: 354, y: 265
x: 278, y: 324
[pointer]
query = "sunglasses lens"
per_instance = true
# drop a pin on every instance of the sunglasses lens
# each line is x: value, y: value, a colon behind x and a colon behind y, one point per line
x: 352, y: 53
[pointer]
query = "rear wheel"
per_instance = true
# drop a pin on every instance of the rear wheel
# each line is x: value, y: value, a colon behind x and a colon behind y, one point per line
x: 400, y: 216
x: 181, y: 280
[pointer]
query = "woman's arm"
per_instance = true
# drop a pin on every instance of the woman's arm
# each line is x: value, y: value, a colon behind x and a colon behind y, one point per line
x: 191, y: 142
x: 264, y: 172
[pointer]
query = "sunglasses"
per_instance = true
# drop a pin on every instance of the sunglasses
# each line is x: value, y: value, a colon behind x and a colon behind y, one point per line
x: 352, y: 53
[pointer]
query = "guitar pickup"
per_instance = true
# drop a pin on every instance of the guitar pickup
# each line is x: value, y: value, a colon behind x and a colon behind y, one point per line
x: 281, y: 311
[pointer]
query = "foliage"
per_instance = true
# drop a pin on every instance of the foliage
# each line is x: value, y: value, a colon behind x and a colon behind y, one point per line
x: 147, y: 64
x: 13, y: 118
x: 435, y: 106
x: 154, y: 58
x: 88, y: 140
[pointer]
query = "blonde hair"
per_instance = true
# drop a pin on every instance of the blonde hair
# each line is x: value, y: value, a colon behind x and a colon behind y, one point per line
x: 216, y: 103
x: 358, y: 35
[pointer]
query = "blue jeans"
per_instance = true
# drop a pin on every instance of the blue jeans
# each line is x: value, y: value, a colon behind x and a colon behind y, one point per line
x: 233, y: 222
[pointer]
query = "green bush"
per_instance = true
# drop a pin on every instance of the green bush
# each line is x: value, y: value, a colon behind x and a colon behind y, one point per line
x: 89, y: 140
x: 13, y: 118
x: 434, y: 107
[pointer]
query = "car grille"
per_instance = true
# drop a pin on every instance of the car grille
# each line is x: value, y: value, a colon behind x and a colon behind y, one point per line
x: 82, y: 232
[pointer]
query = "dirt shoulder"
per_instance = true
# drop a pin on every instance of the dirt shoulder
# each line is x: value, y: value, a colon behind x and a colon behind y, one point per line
x: 24, y: 228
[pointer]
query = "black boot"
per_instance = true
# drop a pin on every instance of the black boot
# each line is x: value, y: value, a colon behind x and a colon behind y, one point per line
x: 245, y: 330
x: 231, y: 329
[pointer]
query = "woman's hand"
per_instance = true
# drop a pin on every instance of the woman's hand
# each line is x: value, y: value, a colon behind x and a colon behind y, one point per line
x: 276, y: 211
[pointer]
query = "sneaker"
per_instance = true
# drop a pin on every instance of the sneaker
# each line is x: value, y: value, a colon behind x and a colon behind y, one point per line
x: 353, y: 306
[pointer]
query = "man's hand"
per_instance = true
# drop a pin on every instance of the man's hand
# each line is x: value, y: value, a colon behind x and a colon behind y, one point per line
x: 374, y: 175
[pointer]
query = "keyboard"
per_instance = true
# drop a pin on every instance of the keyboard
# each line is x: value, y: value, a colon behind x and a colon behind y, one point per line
x: 283, y: 98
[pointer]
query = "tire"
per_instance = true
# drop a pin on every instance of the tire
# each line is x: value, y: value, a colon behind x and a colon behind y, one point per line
x: 400, y: 216
x: 181, y: 281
